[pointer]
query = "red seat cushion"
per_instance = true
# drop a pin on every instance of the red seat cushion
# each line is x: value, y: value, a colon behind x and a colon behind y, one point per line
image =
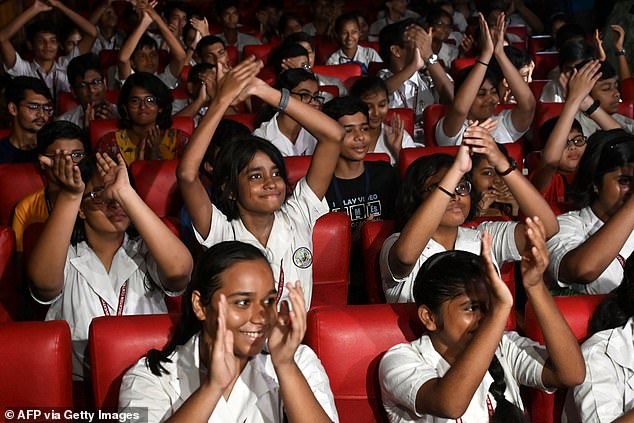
x: 18, y: 181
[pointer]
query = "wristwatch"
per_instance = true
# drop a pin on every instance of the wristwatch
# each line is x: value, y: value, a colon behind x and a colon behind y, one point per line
x: 620, y: 52
x: 432, y: 60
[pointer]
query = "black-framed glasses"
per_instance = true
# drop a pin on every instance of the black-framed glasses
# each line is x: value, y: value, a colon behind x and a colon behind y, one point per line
x: 96, y: 196
x: 578, y: 141
x: 97, y: 82
x: 149, y: 101
x: 46, y: 108
x: 463, y: 188
x: 76, y: 155
x: 308, y: 98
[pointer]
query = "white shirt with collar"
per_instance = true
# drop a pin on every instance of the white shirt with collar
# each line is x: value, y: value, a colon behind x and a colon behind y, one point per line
x: 382, y: 21
x: 290, y: 244
x: 87, y: 282
x: 589, y: 127
x: 407, y: 367
x: 303, y: 146
x: 504, y: 133
x: 243, y: 40
x: 381, y: 143
x: 102, y: 43
x: 448, y: 53
x: 76, y: 115
x: 503, y: 249
x: 416, y: 93
x: 255, y: 397
x: 365, y: 55
x: 608, y: 390
x: 575, y: 228
x: 552, y: 92
x: 56, y: 80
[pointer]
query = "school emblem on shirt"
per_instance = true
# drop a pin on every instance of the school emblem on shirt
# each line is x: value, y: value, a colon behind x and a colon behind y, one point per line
x: 302, y: 257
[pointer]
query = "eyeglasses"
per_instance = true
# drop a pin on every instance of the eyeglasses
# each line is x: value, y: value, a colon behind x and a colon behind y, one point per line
x: 308, y: 98
x: 95, y: 196
x: 578, y: 141
x: 149, y: 101
x: 76, y: 155
x: 463, y: 188
x: 442, y: 24
x: 94, y: 83
x: 35, y: 107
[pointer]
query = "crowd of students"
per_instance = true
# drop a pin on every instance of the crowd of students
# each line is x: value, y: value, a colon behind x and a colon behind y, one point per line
x: 243, y: 262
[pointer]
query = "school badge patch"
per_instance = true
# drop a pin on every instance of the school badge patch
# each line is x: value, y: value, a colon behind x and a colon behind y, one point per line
x: 302, y: 257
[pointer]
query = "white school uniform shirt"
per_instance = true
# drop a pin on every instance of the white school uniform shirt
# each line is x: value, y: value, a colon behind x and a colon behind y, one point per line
x: 415, y: 93
x: 381, y: 143
x: 589, y: 127
x: 86, y: 283
x: 56, y: 80
x: 608, y: 390
x: 166, y: 77
x: 364, y: 55
x: 242, y: 40
x: 303, y: 146
x: 407, y: 367
x: 382, y: 21
x: 552, y: 92
x: 290, y: 244
x: 504, y: 133
x: 448, y: 53
x: 102, y: 43
x: 575, y: 228
x: 76, y: 115
x: 503, y: 249
x: 255, y: 397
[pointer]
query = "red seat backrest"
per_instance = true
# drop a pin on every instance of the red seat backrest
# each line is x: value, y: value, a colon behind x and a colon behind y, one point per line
x: 537, y: 86
x: 375, y: 67
x: 324, y: 47
x: 345, y: 72
x: 7, y: 267
x: 350, y: 341
x: 184, y: 123
x: 247, y: 119
x: 373, y: 234
x: 108, y: 58
x: 330, y: 89
x: 627, y: 89
x: 577, y: 310
x: 261, y: 51
x: 544, y: 63
x: 331, y: 259
x: 99, y: 128
x: 431, y: 116
x: 4, y: 132
x: 543, y: 113
x: 116, y: 343
x: 233, y: 56
x: 156, y: 184
x: 519, y: 30
x: 66, y: 101
x: 18, y: 181
x: 537, y: 43
x: 461, y: 63
x: 406, y: 115
x: 35, y: 363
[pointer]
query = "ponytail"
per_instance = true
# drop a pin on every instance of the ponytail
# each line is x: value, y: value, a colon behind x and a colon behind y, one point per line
x: 505, y: 411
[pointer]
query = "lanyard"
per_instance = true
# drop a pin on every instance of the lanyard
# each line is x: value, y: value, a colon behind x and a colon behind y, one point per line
x: 122, y: 294
x: 489, y: 410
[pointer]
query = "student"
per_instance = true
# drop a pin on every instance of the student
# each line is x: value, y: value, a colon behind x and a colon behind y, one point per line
x: 215, y: 367
x: 592, y: 243
x: 268, y: 16
x: 384, y: 138
x: 89, y: 89
x: 466, y: 367
x: 251, y: 178
x: 30, y: 105
x: 145, y: 127
x: 476, y: 95
x: 97, y: 269
x: 524, y: 65
x: 324, y: 13
x: 289, y: 136
x: 177, y: 15
x: 441, y: 24
x: 347, y: 34
x: 200, y: 88
x: 571, y: 54
x: 435, y: 200
x: 70, y: 39
x: 212, y: 49
x: 604, y: 395
x: 227, y: 11
x: 140, y: 52
x: 36, y: 207
x: 109, y: 36
x: 363, y: 190
x: 393, y: 11
x: 289, y: 24
x: 42, y: 40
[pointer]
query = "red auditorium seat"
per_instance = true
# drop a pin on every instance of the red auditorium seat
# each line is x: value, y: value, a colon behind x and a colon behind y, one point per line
x: 461, y: 63
x: 537, y: 86
x: 331, y: 260
x: 18, y: 181
x: 375, y: 67
x: 538, y: 43
x: 346, y: 72
x: 8, y: 294
x: 519, y: 30
x: 333, y: 90
x: 373, y: 234
x: 406, y: 115
x: 108, y: 58
x: 544, y: 63
x: 324, y: 47
x: 155, y: 182
x: 4, y: 132
x: 627, y: 89
x: 431, y: 116
x: 232, y: 55
x: 350, y: 341
x: 261, y: 52
x: 247, y: 119
x: 116, y: 343
x: 66, y: 101
x: 35, y: 363
x: 577, y: 310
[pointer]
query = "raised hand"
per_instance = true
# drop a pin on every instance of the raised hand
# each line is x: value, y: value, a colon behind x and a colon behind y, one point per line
x: 225, y: 366
x: 231, y: 83
x: 499, y: 293
x: 619, y: 37
x: 486, y: 42
x: 582, y: 81
x: 39, y: 6
x: 463, y: 159
x: 467, y: 43
x: 200, y: 25
x: 535, y: 258
x: 65, y: 173
x: 480, y: 141
x: 289, y: 329
x: 497, y: 34
x: 564, y: 77
x: 421, y: 38
x: 149, y: 148
x: 598, y: 45
x: 394, y: 135
x: 103, y: 111
x: 114, y: 175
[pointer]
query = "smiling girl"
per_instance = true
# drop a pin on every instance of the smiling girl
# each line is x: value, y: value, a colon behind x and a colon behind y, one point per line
x: 348, y: 34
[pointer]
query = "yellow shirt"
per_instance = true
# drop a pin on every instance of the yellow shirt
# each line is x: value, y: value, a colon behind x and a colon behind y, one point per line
x: 31, y: 209
x: 171, y: 147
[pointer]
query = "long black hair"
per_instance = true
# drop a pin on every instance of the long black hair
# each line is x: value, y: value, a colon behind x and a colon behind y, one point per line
x: 206, y: 279
x: 155, y: 87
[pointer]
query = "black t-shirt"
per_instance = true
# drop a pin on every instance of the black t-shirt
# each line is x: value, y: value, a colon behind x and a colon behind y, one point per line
x: 10, y: 154
x: 373, y: 192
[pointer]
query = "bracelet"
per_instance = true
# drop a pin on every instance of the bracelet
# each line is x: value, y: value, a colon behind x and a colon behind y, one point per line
x: 283, y: 99
x: 512, y: 167
x: 482, y: 63
x: 446, y: 191
x: 593, y: 108
x: 620, y: 53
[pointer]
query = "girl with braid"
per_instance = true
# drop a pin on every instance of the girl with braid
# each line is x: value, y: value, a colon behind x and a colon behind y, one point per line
x: 466, y: 368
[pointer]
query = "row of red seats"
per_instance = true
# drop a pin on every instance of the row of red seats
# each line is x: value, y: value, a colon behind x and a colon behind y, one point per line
x: 349, y: 340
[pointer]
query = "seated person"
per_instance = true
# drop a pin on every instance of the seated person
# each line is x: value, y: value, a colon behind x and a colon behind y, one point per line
x: 281, y: 129
x: 89, y: 89
x: 347, y: 34
x: 441, y: 24
x: 30, y: 106
x: 588, y: 253
x: 406, y: 49
x: 228, y: 12
x: 268, y: 15
x: 36, y: 207
x: 324, y: 13
x: 109, y: 36
x: 85, y: 264
x: 571, y: 54
x: 477, y: 96
x: 524, y: 65
x: 385, y: 137
x: 145, y: 127
x: 393, y: 11
x: 140, y: 52
x: 42, y: 40
x: 177, y: 15
x: 200, y: 88
x: 212, y: 49
x: 289, y: 23
x: 234, y: 357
